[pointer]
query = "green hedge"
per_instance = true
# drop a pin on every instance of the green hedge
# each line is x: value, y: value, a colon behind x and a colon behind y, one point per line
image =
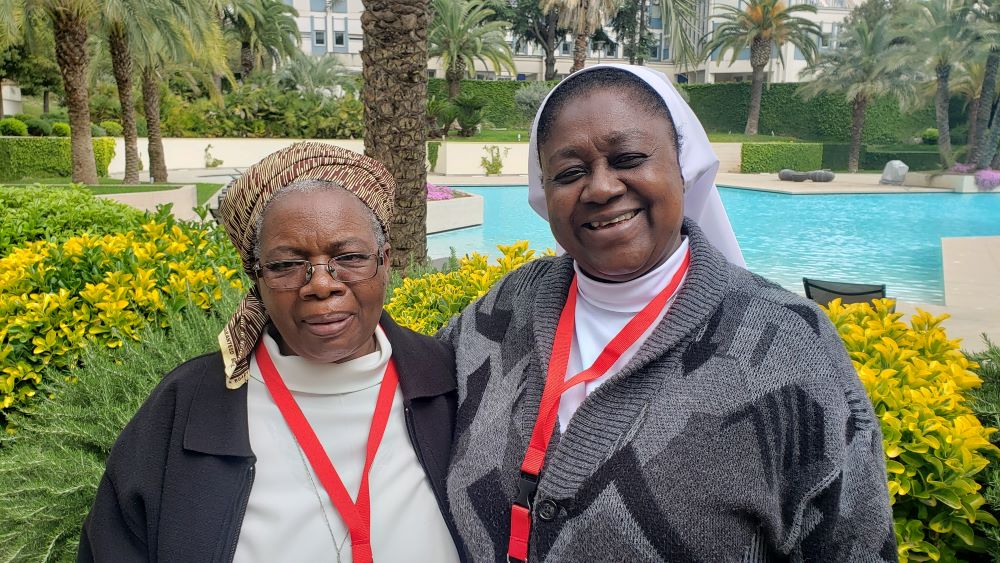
x: 836, y: 155
x: 772, y: 157
x: 722, y: 107
x: 22, y: 157
x: 500, y: 109
x: 916, y: 160
x: 36, y: 213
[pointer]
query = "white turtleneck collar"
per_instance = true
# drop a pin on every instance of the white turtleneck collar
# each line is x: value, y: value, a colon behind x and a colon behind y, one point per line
x: 633, y: 295
x: 301, y: 375
x: 602, y: 310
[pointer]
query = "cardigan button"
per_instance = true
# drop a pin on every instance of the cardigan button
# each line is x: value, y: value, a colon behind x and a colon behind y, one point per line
x: 547, y: 510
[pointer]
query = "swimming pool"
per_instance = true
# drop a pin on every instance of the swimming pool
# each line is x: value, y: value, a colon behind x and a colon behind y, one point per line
x: 893, y: 239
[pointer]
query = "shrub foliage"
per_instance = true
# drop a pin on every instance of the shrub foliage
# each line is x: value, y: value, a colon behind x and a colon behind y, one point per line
x: 935, y: 446
x: 425, y: 304
x: 47, y: 156
x: 31, y: 214
x: 500, y: 110
x: 100, y: 290
x: 50, y: 470
x: 772, y: 157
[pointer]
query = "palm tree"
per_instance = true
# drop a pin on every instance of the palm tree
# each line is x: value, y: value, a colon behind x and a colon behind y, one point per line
x: 70, y: 20
x: 933, y: 37
x: 191, y: 39
x: 762, y: 25
x: 984, y: 143
x: 460, y: 34
x: 853, y: 68
x: 394, y: 59
x: 583, y: 17
x: 968, y: 82
x: 265, y: 29
x: 310, y: 74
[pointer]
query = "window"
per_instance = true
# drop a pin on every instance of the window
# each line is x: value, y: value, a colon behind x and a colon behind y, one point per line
x: 654, y: 52
x: 317, y: 5
x: 319, y: 37
x: 566, y: 48
x: 339, y: 6
x: 340, y: 38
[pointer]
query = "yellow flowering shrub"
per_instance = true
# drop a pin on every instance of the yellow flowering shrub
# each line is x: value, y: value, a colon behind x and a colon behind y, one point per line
x: 425, y: 304
x: 58, y: 297
x: 934, y: 445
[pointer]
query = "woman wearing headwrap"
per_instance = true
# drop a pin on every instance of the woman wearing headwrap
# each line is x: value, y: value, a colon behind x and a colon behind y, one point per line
x: 643, y: 397
x: 321, y: 431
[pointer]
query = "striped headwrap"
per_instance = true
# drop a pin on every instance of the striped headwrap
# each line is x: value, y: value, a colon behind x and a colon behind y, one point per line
x: 245, y: 200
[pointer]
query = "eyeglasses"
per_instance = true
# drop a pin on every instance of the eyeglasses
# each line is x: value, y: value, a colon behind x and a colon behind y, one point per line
x: 294, y: 274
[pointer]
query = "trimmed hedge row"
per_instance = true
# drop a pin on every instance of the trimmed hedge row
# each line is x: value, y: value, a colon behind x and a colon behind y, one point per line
x: 772, y: 157
x: 916, y: 160
x: 723, y: 107
x: 22, y: 157
x: 500, y: 109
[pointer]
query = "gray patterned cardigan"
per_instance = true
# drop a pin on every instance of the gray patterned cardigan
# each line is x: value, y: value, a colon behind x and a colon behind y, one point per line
x: 739, y: 432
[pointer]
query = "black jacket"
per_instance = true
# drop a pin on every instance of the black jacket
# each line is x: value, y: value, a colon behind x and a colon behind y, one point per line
x: 179, y: 477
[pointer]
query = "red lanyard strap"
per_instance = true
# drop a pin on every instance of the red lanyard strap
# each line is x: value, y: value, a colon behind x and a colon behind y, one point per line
x: 357, y: 516
x: 556, y: 384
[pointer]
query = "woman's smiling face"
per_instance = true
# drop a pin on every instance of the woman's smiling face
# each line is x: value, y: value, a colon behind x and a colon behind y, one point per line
x: 613, y: 184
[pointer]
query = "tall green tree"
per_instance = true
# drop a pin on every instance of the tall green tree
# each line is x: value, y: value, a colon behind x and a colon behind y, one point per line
x: 266, y: 31
x: 70, y: 20
x: 529, y: 24
x: 394, y: 63
x: 933, y: 36
x: 32, y: 64
x: 582, y: 18
x: 461, y: 33
x: 853, y: 68
x: 762, y: 25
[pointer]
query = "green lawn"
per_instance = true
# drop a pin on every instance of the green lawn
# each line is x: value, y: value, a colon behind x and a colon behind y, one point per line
x: 113, y: 186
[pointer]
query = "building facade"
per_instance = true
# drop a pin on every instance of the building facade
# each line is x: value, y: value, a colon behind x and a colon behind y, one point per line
x: 333, y: 28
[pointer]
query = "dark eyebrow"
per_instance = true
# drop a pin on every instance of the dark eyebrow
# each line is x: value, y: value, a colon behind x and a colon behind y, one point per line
x: 334, y: 247
x: 613, y: 138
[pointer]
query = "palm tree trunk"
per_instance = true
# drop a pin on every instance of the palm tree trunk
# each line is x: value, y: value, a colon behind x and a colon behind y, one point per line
x: 394, y: 62
x: 151, y: 103
x: 641, y: 56
x: 246, y: 61
x: 970, y: 139
x: 454, y: 74
x: 756, y: 93
x: 941, y: 110
x: 551, y: 22
x: 121, y: 63
x: 857, y: 125
x: 71, y: 54
x: 988, y: 150
x: 579, y: 52
x: 760, y: 52
x: 980, y: 153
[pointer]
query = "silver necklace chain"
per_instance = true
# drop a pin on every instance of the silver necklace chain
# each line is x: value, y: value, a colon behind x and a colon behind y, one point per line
x: 322, y: 506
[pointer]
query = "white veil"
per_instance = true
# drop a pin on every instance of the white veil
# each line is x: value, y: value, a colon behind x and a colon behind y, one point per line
x: 698, y: 165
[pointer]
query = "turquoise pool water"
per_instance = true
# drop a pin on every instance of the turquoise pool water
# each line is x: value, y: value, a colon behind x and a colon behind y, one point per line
x: 875, y: 238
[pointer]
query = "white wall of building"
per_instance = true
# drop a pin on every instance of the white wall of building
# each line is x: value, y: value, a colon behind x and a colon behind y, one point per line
x: 10, y: 94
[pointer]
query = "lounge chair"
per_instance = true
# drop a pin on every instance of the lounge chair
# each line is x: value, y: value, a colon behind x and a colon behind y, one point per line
x: 823, y: 292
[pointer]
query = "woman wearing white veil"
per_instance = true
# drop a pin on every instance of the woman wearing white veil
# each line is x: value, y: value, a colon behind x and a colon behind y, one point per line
x: 643, y: 397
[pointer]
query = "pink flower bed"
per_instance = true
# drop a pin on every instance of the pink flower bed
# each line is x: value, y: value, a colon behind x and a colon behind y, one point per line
x: 438, y: 193
x: 988, y: 179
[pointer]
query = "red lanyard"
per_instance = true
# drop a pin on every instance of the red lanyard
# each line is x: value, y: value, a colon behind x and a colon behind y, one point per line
x: 357, y: 517
x: 556, y: 384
